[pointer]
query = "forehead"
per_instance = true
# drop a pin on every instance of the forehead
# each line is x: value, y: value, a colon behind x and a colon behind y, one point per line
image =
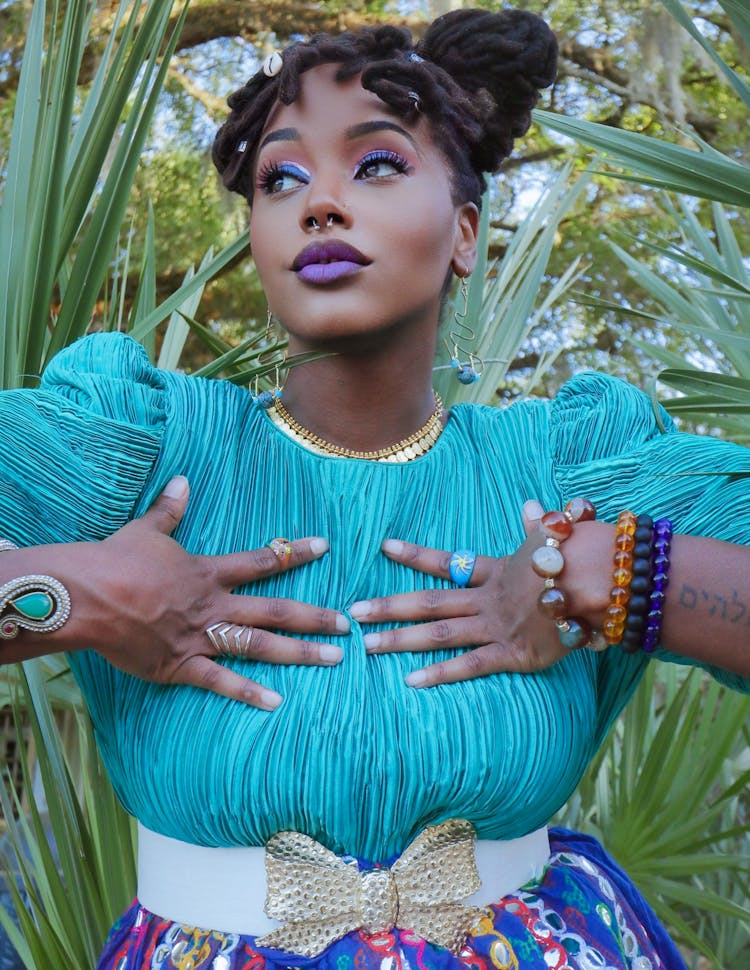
x: 325, y: 106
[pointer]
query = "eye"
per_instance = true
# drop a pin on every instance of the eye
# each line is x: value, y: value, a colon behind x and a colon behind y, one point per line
x: 274, y: 178
x: 381, y: 164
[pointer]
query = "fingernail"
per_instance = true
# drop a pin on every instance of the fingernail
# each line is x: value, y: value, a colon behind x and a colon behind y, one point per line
x: 319, y: 546
x: 269, y: 699
x: 532, y: 509
x: 416, y: 678
x: 394, y: 546
x: 176, y: 487
x: 372, y: 642
x: 342, y: 623
x: 360, y: 610
x: 330, y: 654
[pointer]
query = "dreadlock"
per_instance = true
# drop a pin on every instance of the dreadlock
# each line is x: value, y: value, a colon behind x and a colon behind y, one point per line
x: 475, y: 75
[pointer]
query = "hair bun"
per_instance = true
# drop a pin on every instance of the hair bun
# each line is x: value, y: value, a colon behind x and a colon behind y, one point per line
x: 505, y: 58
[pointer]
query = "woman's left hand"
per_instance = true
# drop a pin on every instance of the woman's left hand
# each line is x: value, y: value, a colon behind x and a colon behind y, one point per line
x: 497, y: 614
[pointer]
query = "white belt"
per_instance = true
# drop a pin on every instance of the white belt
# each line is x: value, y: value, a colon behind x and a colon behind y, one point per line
x: 224, y: 889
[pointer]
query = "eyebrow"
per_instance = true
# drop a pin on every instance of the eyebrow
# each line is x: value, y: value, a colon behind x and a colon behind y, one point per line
x: 356, y: 131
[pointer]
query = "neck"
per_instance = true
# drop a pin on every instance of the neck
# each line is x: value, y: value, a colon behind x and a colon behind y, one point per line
x: 362, y: 401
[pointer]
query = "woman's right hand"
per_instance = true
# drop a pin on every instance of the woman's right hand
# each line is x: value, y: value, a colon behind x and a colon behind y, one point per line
x: 145, y: 603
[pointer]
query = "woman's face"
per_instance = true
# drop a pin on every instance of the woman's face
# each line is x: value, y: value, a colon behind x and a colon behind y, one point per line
x: 379, y: 191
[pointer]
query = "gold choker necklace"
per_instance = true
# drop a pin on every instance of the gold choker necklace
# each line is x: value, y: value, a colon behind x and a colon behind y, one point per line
x: 407, y: 450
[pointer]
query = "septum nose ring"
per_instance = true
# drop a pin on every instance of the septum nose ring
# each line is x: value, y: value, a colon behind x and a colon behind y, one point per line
x: 316, y: 225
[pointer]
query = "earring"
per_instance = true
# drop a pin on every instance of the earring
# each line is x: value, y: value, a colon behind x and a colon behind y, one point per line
x: 469, y: 371
x: 265, y: 399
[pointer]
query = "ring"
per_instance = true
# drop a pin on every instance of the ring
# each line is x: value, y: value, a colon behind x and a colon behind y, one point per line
x: 230, y: 639
x: 461, y: 566
x: 282, y: 549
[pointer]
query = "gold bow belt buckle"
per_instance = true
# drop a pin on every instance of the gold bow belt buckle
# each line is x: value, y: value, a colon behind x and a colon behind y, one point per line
x: 320, y: 897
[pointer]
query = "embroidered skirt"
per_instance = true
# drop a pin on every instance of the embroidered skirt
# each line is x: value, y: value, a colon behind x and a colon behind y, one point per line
x: 584, y: 914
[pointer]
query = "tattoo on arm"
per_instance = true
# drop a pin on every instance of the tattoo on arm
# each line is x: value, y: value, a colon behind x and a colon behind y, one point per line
x: 733, y: 609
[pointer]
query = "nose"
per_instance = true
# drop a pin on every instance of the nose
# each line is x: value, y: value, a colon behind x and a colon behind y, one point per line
x: 324, y: 208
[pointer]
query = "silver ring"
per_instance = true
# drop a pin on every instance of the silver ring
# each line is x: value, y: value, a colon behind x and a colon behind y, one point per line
x: 230, y: 639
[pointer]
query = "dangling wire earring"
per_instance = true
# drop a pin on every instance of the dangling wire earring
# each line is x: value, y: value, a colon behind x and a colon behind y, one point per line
x: 266, y: 399
x: 470, y: 370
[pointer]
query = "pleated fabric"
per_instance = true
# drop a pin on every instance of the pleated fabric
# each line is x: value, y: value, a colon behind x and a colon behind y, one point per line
x: 352, y: 757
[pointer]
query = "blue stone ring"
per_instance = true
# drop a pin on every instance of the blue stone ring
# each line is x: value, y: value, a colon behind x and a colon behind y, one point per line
x: 461, y: 566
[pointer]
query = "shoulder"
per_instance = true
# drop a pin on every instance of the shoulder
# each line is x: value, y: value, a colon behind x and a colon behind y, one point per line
x: 596, y: 416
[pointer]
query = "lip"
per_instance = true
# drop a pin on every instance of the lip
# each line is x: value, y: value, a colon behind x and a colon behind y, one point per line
x: 325, y: 262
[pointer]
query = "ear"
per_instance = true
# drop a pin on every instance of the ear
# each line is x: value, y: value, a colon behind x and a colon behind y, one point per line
x: 465, y: 246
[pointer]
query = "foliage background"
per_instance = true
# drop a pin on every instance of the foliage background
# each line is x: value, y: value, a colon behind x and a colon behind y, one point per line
x: 627, y: 65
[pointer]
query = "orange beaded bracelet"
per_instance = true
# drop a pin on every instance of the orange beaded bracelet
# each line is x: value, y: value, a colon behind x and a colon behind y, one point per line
x: 619, y: 597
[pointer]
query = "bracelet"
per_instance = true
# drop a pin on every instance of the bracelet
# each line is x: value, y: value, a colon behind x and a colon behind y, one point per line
x: 640, y: 585
x: 662, y: 542
x: 547, y: 561
x: 40, y: 604
x: 616, y: 613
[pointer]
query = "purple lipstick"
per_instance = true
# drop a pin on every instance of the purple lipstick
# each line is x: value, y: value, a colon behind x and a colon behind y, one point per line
x: 326, y: 262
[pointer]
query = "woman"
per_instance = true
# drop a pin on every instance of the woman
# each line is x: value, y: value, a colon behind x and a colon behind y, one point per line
x: 422, y: 696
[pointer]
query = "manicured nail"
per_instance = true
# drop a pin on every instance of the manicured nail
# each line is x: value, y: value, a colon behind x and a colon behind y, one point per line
x: 416, y: 678
x: 394, y: 546
x: 330, y: 654
x: 360, y: 610
x: 269, y: 699
x: 319, y: 546
x: 176, y: 487
x: 533, y: 509
x: 372, y: 642
x: 342, y: 623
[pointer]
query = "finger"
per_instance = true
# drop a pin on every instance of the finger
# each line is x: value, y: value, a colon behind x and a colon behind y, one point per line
x: 252, y: 643
x: 426, y: 604
x: 207, y: 674
x: 282, y: 614
x: 436, y: 562
x: 456, y: 632
x: 531, y: 512
x: 237, y: 568
x: 469, y: 666
x: 166, y: 512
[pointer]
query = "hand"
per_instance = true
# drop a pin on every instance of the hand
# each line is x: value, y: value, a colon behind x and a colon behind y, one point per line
x: 144, y: 603
x: 497, y: 614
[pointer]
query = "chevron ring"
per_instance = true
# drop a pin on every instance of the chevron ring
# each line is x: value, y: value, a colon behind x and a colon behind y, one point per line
x: 229, y: 639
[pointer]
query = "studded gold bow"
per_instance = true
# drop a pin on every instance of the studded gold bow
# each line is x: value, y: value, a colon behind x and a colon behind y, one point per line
x: 321, y: 898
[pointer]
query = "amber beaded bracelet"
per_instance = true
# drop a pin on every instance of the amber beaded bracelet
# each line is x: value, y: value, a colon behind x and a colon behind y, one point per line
x: 617, y: 611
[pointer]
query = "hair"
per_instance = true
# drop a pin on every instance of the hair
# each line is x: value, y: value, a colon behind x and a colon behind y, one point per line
x: 475, y: 76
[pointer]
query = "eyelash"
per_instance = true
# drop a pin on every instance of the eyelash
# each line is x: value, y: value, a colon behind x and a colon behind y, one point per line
x: 392, y: 158
x: 271, y: 172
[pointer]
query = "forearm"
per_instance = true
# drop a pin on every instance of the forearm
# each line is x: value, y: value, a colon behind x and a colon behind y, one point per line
x: 707, y: 607
x: 74, y: 566
x: 706, y: 611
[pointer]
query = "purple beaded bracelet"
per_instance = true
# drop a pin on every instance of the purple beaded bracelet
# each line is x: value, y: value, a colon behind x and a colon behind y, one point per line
x: 662, y: 542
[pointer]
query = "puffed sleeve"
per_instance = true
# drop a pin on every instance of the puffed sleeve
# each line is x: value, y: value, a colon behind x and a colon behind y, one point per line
x: 78, y: 450
x: 610, y: 445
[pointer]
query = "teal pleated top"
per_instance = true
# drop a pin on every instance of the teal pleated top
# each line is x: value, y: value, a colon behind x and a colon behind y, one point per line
x: 353, y: 756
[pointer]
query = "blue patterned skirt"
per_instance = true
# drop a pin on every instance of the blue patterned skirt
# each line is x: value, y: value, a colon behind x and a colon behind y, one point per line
x: 583, y: 914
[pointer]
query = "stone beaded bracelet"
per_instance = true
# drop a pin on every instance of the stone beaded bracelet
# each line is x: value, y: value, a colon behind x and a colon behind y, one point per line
x: 641, y: 585
x: 662, y: 542
x: 547, y: 562
x: 634, y: 616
